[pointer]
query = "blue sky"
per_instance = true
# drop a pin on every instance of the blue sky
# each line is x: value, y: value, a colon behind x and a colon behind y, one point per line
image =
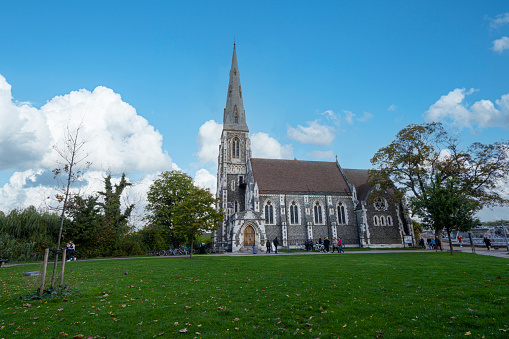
x: 354, y: 72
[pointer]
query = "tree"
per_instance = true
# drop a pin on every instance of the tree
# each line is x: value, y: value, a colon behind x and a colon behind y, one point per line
x: 196, y: 214
x: 163, y: 196
x: 71, y: 164
x: 421, y: 152
x: 445, y: 206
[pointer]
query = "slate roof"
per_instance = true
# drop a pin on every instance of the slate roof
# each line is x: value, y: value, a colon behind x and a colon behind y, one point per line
x: 298, y: 177
x: 358, y: 178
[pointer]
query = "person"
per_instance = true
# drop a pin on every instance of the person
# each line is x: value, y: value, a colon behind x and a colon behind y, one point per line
x: 421, y: 243
x: 309, y: 245
x: 335, y: 245
x: 71, y: 250
x: 487, y: 242
x: 460, y: 240
x: 433, y: 243
x: 276, y: 244
x: 267, y: 244
x: 326, y: 244
x: 340, y: 245
x: 429, y: 242
x: 438, y: 243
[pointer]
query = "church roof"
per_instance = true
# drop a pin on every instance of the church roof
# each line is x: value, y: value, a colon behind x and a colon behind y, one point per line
x: 234, y: 116
x: 358, y: 178
x: 298, y: 177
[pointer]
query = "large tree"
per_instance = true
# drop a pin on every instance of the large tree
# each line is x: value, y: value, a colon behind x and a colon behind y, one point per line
x: 163, y: 196
x: 420, y: 153
x: 195, y: 214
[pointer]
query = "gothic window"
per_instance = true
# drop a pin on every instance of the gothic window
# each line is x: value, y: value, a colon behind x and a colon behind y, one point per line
x: 240, y: 92
x: 235, y: 148
x: 235, y: 115
x: 389, y: 220
x: 294, y: 213
x: 375, y: 220
x: 341, y: 213
x: 236, y: 206
x: 380, y: 204
x: 317, y: 209
x: 269, y: 213
x: 229, y: 91
x: 382, y: 220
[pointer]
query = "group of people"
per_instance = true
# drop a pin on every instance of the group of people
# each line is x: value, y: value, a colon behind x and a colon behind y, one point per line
x: 320, y: 246
x: 433, y: 243
x: 70, y: 248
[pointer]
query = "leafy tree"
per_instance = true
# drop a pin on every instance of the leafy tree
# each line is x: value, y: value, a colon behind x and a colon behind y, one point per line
x: 163, y: 196
x: 445, y: 206
x: 421, y: 152
x: 196, y: 214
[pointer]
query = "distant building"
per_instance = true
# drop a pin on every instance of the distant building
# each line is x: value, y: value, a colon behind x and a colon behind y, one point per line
x: 294, y: 200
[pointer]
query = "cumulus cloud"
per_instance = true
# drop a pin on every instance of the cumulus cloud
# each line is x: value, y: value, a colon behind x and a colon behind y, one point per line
x: 208, y: 140
x: 452, y: 109
x: 117, y: 139
x: 204, y: 179
x: 501, y: 44
x: 264, y: 146
x: 315, y: 133
x: 322, y: 154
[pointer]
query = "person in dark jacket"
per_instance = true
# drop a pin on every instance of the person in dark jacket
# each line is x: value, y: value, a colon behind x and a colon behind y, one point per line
x: 276, y: 244
x: 267, y: 244
x: 326, y: 244
x: 487, y: 242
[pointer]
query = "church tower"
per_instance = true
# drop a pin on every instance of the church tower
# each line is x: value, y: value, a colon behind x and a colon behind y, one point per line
x: 234, y: 153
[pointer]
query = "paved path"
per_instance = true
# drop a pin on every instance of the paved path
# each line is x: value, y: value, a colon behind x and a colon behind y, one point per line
x: 501, y: 253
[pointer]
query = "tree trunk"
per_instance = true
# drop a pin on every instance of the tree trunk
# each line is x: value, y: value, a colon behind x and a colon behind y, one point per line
x: 450, y: 241
x: 191, y: 249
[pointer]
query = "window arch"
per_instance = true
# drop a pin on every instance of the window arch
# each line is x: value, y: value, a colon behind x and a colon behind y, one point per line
x: 294, y: 213
x: 317, y: 209
x: 375, y: 220
x: 382, y: 220
x: 389, y: 220
x: 269, y: 213
x: 235, y: 206
x: 235, y: 115
x: 235, y: 148
x: 341, y: 213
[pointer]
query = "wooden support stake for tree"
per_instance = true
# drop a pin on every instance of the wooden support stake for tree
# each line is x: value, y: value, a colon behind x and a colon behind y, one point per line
x: 63, y: 267
x: 44, y: 265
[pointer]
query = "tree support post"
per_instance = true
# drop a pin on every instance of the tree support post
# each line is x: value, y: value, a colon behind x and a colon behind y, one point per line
x: 63, y: 267
x: 471, y: 242
x: 44, y: 266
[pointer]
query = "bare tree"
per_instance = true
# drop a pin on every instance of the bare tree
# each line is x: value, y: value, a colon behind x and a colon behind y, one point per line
x: 72, y: 166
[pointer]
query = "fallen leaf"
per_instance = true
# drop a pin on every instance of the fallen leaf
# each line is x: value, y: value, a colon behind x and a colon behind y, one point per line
x: 344, y: 325
x: 308, y: 324
x: 78, y: 336
x: 468, y: 333
x: 184, y: 330
x: 63, y: 334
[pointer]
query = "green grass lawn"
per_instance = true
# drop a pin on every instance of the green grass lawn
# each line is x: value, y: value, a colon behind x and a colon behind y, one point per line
x: 315, y: 296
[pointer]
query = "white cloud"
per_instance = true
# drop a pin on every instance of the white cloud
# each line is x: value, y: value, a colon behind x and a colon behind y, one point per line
x: 264, y: 146
x: 349, y: 117
x: 204, y: 179
x: 451, y: 108
x: 499, y: 20
x: 315, y: 133
x: 365, y: 117
x: 322, y: 154
x: 501, y: 44
x: 208, y: 139
x: 392, y: 108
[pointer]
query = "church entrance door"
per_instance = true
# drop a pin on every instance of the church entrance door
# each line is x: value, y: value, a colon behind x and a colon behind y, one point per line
x: 249, y: 236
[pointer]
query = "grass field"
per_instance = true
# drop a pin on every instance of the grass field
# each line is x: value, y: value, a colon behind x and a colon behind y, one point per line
x: 315, y: 296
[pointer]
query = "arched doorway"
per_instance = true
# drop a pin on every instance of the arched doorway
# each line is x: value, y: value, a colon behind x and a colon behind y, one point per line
x: 249, y: 236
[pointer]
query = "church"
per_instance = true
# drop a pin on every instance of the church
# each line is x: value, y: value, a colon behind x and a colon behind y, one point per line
x: 294, y: 200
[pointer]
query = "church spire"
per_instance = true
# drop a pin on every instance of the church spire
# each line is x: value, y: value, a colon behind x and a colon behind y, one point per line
x: 234, y: 118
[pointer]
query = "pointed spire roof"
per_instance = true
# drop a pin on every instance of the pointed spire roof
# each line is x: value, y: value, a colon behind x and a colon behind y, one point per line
x: 234, y: 117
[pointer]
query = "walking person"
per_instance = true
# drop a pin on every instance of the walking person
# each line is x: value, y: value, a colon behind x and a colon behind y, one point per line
x: 335, y: 245
x: 267, y: 244
x: 276, y: 244
x: 429, y: 242
x: 460, y: 240
x: 326, y: 244
x: 438, y: 243
x: 487, y: 242
x: 340, y: 245
x: 71, y: 250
